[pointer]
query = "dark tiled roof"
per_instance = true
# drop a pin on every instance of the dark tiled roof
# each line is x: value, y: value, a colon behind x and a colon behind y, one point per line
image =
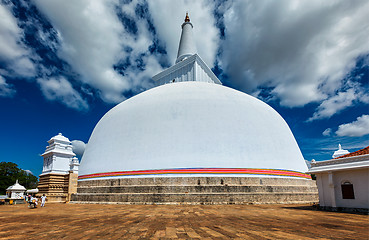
x: 363, y: 151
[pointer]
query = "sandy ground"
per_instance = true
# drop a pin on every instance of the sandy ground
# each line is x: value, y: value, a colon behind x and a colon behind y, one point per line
x: 93, y: 221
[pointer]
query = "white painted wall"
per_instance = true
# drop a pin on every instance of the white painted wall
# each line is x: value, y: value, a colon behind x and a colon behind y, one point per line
x: 58, y: 155
x: 191, y: 69
x: 190, y: 125
x: 332, y: 196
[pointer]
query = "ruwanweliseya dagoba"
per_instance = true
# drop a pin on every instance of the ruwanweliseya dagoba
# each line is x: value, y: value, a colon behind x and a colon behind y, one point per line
x: 192, y: 140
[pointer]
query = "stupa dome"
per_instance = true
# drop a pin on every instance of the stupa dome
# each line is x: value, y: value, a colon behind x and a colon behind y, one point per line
x: 189, y: 125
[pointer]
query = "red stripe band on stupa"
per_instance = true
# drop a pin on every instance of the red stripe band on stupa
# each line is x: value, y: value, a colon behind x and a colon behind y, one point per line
x: 258, y: 171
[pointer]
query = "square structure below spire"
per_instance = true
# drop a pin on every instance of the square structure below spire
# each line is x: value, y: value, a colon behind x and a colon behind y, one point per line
x: 190, y: 69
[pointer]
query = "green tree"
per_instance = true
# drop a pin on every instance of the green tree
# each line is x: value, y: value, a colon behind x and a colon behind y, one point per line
x: 10, y: 172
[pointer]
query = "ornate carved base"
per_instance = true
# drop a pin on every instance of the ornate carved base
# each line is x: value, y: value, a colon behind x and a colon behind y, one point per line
x: 57, y: 187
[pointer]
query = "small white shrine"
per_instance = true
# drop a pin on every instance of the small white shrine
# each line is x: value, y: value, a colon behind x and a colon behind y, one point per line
x: 343, y: 182
x: 340, y: 152
x: 15, y: 191
x: 60, y: 170
x: 59, y: 157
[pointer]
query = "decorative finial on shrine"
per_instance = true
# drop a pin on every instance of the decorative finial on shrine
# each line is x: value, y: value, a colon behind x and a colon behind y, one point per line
x: 187, y: 19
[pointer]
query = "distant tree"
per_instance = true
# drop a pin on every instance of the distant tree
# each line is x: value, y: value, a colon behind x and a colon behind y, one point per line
x: 9, y: 173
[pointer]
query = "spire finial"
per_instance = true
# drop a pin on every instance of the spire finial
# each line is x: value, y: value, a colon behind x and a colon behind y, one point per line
x: 187, y: 19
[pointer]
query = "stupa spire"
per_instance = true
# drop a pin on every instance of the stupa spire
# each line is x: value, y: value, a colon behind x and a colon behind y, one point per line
x: 187, y: 45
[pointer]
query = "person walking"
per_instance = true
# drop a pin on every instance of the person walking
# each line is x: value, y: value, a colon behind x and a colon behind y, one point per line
x: 43, y: 200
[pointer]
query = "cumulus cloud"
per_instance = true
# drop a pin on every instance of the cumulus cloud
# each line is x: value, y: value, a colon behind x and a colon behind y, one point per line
x: 337, y: 103
x: 327, y: 132
x: 357, y: 128
x: 301, y: 50
x: 296, y: 52
x: 16, y: 57
x: 6, y: 90
x: 94, y: 40
x: 60, y: 89
x: 90, y: 35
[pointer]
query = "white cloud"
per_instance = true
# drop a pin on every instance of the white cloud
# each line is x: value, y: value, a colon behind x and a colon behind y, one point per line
x: 6, y: 89
x: 327, y: 132
x: 16, y: 56
x: 334, y: 105
x: 60, y: 89
x: 90, y: 35
x: 93, y: 40
x: 300, y: 49
x: 357, y: 128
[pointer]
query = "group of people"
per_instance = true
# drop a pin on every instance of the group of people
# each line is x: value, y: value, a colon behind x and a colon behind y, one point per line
x: 33, y: 199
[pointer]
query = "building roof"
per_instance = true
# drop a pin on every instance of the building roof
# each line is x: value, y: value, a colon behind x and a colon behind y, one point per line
x: 363, y: 151
x: 59, y: 138
x: 354, y: 160
x: 16, y: 187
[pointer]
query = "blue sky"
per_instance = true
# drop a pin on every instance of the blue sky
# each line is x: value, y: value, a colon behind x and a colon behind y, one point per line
x: 64, y: 64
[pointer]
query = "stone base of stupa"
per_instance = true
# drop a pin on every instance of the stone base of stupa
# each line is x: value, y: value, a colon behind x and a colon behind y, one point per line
x: 57, y: 187
x: 197, y: 190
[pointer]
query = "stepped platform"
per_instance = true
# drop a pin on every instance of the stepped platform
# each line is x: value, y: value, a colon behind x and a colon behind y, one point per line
x: 196, y: 190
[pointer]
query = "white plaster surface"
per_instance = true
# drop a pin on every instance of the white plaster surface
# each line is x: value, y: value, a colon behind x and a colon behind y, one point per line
x: 187, y: 46
x: 358, y: 177
x: 189, y: 125
x: 192, y: 68
x: 16, y: 191
x: 340, y: 152
x: 58, y: 155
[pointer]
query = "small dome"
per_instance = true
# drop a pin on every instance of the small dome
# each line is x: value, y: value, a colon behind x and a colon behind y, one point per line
x: 191, y: 125
x: 16, y: 187
x: 59, y: 138
x: 78, y: 147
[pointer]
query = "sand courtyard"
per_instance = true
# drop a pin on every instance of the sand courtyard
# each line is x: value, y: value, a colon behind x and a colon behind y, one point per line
x: 97, y: 221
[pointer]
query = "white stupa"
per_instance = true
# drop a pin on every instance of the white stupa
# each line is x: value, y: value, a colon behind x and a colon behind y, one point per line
x: 340, y: 152
x: 16, y: 191
x: 191, y: 125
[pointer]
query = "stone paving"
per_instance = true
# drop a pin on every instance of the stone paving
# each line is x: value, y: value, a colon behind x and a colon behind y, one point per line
x: 98, y: 221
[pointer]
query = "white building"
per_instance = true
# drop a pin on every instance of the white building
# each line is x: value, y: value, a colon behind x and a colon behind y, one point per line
x: 58, y: 156
x: 58, y: 179
x: 340, y: 152
x: 343, y: 182
x: 15, y: 191
x: 191, y: 124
